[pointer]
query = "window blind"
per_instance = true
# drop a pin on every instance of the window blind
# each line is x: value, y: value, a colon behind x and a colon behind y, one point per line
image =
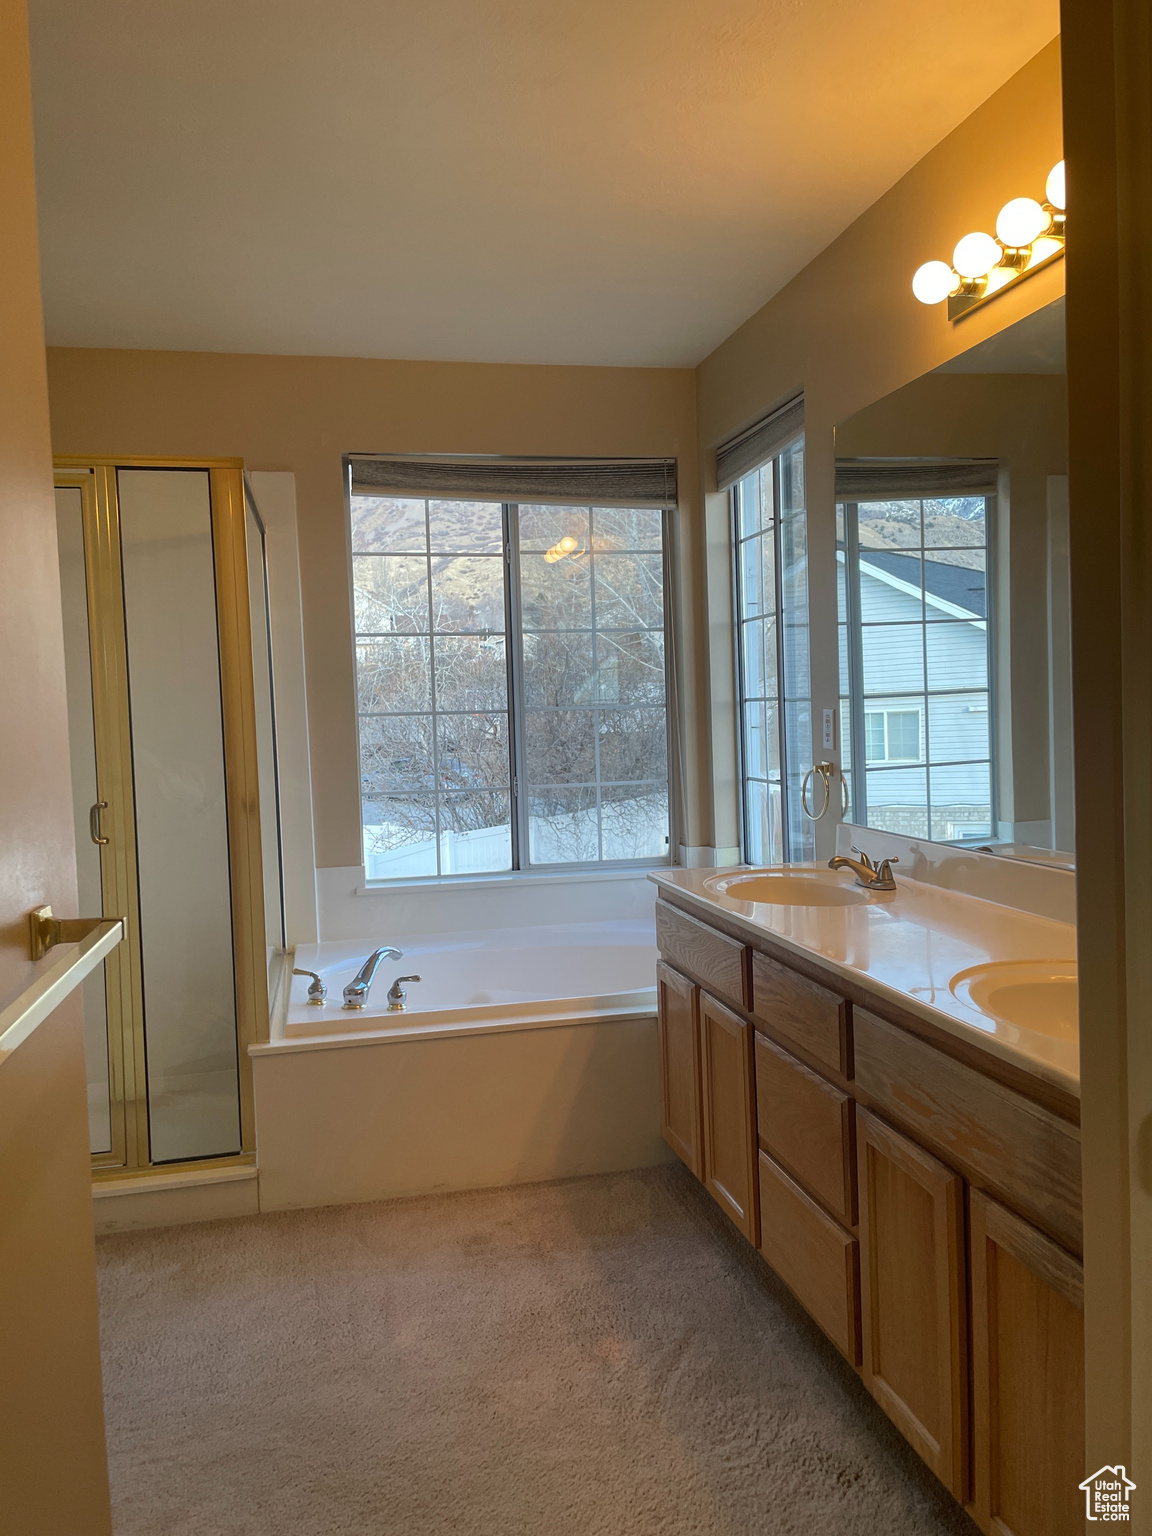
x: 758, y: 443
x: 556, y: 482
x: 893, y: 479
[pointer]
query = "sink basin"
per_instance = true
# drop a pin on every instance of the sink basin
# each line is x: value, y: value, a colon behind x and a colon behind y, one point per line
x: 787, y: 889
x: 1038, y: 995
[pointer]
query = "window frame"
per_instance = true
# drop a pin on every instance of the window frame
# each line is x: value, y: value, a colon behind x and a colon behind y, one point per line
x: 790, y: 832
x: 885, y: 713
x: 522, y: 867
x: 858, y: 703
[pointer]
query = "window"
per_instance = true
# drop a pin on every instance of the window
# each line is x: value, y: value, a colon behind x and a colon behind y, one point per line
x: 914, y: 664
x: 770, y: 537
x: 511, y: 685
x: 892, y: 735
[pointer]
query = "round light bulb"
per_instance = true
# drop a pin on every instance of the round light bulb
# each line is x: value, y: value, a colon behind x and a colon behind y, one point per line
x: 934, y: 281
x: 1021, y: 221
x: 567, y: 544
x: 1054, y: 186
x: 976, y: 255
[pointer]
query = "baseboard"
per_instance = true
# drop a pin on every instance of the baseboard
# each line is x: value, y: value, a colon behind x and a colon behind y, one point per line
x: 173, y: 1199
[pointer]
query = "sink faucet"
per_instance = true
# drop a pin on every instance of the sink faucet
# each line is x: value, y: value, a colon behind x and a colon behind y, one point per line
x: 873, y: 877
x: 356, y: 992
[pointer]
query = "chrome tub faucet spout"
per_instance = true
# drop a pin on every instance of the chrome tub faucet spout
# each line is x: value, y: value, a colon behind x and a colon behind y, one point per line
x: 873, y: 877
x: 356, y: 992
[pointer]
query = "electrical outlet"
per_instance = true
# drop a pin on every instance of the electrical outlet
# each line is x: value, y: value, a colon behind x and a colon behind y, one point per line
x: 829, y: 742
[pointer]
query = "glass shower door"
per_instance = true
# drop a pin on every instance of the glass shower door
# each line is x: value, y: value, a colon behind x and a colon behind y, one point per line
x: 87, y: 810
x: 164, y: 742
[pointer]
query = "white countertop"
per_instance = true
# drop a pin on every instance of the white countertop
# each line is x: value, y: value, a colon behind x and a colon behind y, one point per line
x: 908, y: 945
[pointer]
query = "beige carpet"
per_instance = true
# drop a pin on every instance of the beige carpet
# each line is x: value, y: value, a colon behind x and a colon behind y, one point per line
x: 600, y: 1357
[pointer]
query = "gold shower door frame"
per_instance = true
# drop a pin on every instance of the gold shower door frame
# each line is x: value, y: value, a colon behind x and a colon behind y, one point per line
x: 95, y: 477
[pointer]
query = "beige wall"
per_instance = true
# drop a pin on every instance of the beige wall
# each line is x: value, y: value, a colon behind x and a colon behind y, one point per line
x: 53, y: 1480
x: 303, y: 413
x: 1108, y: 109
x: 847, y: 331
x: 1021, y: 420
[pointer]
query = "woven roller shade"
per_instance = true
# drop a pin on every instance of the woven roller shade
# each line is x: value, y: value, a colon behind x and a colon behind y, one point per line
x: 759, y: 443
x: 880, y: 480
x: 557, y: 482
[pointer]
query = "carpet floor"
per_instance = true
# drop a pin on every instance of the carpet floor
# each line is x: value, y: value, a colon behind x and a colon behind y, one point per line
x: 598, y: 1357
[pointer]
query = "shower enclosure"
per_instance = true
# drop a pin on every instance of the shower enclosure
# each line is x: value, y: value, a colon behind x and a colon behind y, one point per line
x: 172, y: 742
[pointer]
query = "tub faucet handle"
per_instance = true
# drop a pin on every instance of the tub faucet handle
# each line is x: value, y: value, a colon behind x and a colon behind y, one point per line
x: 317, y: 992
x: 397, y: 995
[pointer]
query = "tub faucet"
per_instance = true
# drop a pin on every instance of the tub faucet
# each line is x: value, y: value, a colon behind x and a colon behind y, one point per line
x: 873, y: 877
x: 317, y: 992
x: 356, y: 992
x: 397, y: 995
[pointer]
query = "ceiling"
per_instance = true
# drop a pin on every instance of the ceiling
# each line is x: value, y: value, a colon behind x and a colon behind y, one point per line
x: 556, y: 181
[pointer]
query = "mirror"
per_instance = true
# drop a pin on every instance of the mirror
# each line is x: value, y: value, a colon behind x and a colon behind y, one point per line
x: 953, y: 577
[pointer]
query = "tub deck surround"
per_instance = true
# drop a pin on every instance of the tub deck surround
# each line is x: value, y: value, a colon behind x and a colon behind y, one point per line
x: 523, y: 1054
x: 904, y: 949
x: 502, y: 978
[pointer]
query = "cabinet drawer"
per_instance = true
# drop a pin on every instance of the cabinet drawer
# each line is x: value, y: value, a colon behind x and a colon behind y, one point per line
x: 802, y: 1013
x: 713, y: 958
x: 817, y: 1260
x: 1002, y: 1140
x: 807, y: 1125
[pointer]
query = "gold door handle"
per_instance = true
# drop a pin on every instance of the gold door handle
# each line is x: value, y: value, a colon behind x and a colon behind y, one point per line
x: 94, y: 822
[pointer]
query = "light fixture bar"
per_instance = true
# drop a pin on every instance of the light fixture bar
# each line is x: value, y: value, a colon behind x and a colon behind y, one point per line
x: 1029, y: 236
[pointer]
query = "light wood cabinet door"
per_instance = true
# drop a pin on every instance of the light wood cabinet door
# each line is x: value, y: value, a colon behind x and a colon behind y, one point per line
x: 729, y: 1162
x: 678, y: 1023
x: 913, y: 1304
x: 1028, y: 1377
x: 812, y: 1254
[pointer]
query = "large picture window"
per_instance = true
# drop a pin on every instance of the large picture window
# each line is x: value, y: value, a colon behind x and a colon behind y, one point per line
x: 914, y: 665
x: 771, y: 544
x: 511, y: 685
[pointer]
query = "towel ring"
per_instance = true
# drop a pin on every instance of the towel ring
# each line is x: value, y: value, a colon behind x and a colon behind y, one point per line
x: 825, y: 770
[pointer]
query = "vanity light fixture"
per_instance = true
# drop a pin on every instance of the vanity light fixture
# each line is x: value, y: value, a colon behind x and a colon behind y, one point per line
x: 566, y: 547
x: 1029, y: 235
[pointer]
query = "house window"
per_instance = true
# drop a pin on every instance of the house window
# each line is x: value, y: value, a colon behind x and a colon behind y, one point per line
x: 770, y: 539
x: 914, y: 664
x: 511, y: 685
x: 892, y: 736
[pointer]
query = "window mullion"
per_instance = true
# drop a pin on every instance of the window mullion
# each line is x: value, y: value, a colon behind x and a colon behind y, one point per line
x: 432, y: 690
x: 776, y: 535
x: 521, y: 857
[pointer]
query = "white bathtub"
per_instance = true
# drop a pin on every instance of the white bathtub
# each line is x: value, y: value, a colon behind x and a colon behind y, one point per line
x: 507, y: 976
x: 524, y: 1054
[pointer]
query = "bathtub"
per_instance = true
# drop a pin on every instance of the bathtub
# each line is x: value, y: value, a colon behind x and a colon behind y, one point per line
x: 523, y: 1054
x: 507, y: 977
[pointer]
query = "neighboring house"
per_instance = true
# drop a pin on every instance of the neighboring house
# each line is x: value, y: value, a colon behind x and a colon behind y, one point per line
x: 925, y: 694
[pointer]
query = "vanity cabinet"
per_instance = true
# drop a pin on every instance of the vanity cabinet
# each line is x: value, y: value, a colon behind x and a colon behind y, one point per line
x: 920, y: 1199
x: 678, y: 1022
x: 729, y: 1160
x: 1028, y: 1376
x: 915, y: 1360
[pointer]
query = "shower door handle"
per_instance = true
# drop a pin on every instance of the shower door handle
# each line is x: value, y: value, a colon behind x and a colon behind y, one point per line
x: 94, y: 822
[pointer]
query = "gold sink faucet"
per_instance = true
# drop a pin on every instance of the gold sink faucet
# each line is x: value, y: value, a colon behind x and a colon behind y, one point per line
x: 873, y: 877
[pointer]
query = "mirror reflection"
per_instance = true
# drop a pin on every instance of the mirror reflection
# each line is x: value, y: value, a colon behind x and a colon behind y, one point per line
x: 952, y: 562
